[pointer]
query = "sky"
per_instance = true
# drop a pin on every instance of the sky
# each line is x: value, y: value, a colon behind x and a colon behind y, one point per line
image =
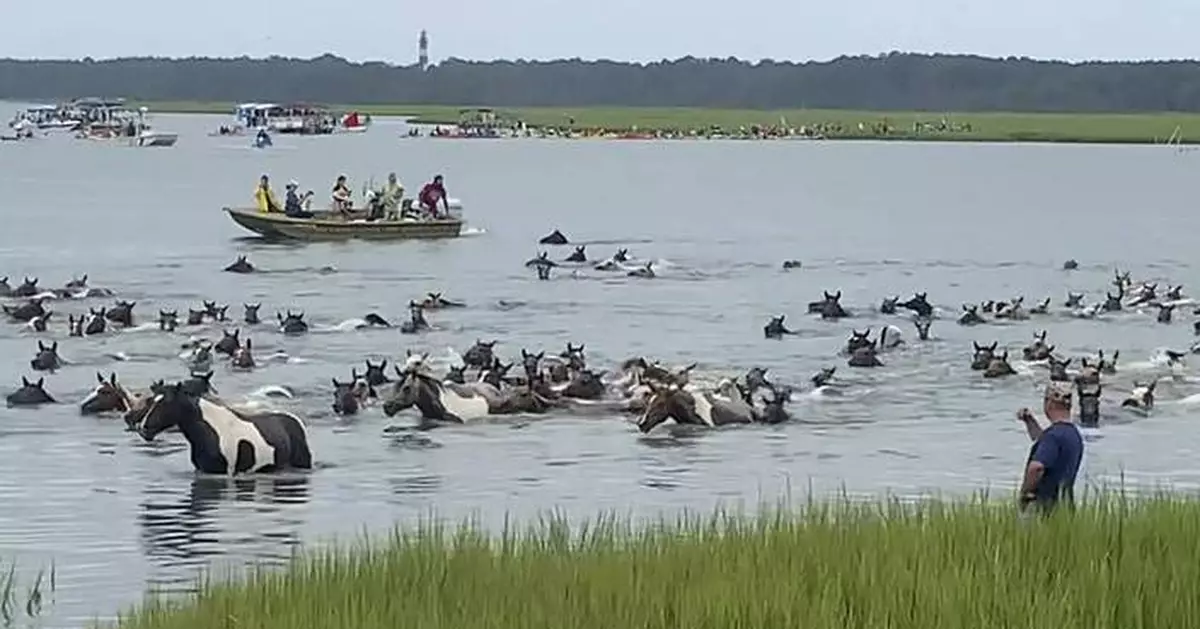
x: 626, y: 30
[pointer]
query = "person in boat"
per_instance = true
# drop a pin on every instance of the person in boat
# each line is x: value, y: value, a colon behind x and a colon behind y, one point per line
x: 431, y: 193
x: 393, y: 194
x: 342, y: 201
x: 295, y: 205
x: 265, y: 197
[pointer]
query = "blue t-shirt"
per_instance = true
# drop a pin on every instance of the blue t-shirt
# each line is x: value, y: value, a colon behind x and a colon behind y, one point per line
x: 1060, y: 449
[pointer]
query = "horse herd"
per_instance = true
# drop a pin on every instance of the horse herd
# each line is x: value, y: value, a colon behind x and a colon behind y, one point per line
x: 229, y: 438
x: 864, y: 352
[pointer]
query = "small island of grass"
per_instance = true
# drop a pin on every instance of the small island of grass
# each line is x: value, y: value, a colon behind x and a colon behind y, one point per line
x: 832, y: 124
x: 1113, y: 564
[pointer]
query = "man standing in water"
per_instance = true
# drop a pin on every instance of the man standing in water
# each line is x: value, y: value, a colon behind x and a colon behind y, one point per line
x: 1056, y: 454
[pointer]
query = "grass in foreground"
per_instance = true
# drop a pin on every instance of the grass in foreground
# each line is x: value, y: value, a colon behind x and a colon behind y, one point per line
x: 19, y: 605
x: 1144, y: 128
x: 1115, y: 564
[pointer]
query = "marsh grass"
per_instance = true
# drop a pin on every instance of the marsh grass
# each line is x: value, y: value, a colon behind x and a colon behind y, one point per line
x: 22, y: 605
x: 1139, y: 128
x: 1116, y: 563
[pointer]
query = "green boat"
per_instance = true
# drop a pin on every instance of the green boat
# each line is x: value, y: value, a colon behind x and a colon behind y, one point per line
x: 336, y: 226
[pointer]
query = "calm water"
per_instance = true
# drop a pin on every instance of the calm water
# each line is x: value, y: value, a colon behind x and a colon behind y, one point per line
x: 965, y: 222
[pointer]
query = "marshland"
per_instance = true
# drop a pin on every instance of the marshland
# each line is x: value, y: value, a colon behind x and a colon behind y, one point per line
x: 118, y: 516
x: 1115, y: 564
x: 834, y: 124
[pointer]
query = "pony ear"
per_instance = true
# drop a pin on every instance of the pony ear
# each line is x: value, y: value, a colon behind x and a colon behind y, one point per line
x: 25, y: 382
x: 99, y: 377
x: 40, y: 382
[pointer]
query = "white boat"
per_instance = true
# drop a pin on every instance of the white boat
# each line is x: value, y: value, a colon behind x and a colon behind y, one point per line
x: 298, y: 119
x: 109, y: 119
x: 157, y: 138
x: 46, y: 117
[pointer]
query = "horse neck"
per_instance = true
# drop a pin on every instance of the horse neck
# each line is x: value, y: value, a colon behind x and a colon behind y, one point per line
x: 190, y: 425
x: 429, y: 394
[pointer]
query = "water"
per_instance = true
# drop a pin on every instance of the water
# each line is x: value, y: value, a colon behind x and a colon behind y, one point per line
x: 965, y: 222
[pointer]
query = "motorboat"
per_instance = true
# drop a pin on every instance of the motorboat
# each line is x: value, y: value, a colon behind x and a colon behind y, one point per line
x: 350, y: 225
x: 46, y: 117
x: 111, y: 119
x: 354, y: 122
x: 157, y: 139
x: 298, y: 119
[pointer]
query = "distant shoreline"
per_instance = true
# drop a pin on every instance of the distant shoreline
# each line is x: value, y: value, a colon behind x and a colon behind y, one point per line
x: 1081, y: 128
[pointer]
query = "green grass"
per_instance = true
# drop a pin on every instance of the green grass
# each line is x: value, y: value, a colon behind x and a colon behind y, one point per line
x: 21, y: 605
x: 1115, y: 564
x: 990, y: 126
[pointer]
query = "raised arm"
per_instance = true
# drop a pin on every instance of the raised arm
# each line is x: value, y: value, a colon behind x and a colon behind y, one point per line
x: 1032, y: 428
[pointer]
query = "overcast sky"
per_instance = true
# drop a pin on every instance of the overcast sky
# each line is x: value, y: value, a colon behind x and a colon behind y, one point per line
x: 637, y: 30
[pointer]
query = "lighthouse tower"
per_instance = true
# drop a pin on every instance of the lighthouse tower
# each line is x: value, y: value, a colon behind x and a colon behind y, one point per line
x: 423, y: 51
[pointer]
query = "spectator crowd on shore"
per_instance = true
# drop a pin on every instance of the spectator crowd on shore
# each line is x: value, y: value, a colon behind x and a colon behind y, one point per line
x: 880, y: 128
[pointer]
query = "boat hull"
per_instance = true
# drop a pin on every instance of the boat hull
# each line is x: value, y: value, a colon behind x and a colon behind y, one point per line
x: 280, y: 227
x: 157, y: 139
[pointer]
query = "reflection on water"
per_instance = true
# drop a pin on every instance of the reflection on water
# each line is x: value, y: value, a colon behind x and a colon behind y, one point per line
x: 250, y: 519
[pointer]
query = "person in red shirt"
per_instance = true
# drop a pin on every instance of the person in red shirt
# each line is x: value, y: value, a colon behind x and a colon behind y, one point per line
x: 430, y: 194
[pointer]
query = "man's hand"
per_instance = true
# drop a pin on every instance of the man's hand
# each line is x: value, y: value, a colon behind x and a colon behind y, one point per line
x: 1025, y: 415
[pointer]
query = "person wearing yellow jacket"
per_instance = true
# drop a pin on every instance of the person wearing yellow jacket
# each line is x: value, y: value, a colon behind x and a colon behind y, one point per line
x: 264, y: 197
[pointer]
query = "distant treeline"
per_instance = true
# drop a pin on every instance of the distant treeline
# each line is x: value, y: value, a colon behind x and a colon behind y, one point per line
x: 896, y: 81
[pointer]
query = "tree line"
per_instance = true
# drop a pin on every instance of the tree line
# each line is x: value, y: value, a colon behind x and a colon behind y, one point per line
x: 895, y: 81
